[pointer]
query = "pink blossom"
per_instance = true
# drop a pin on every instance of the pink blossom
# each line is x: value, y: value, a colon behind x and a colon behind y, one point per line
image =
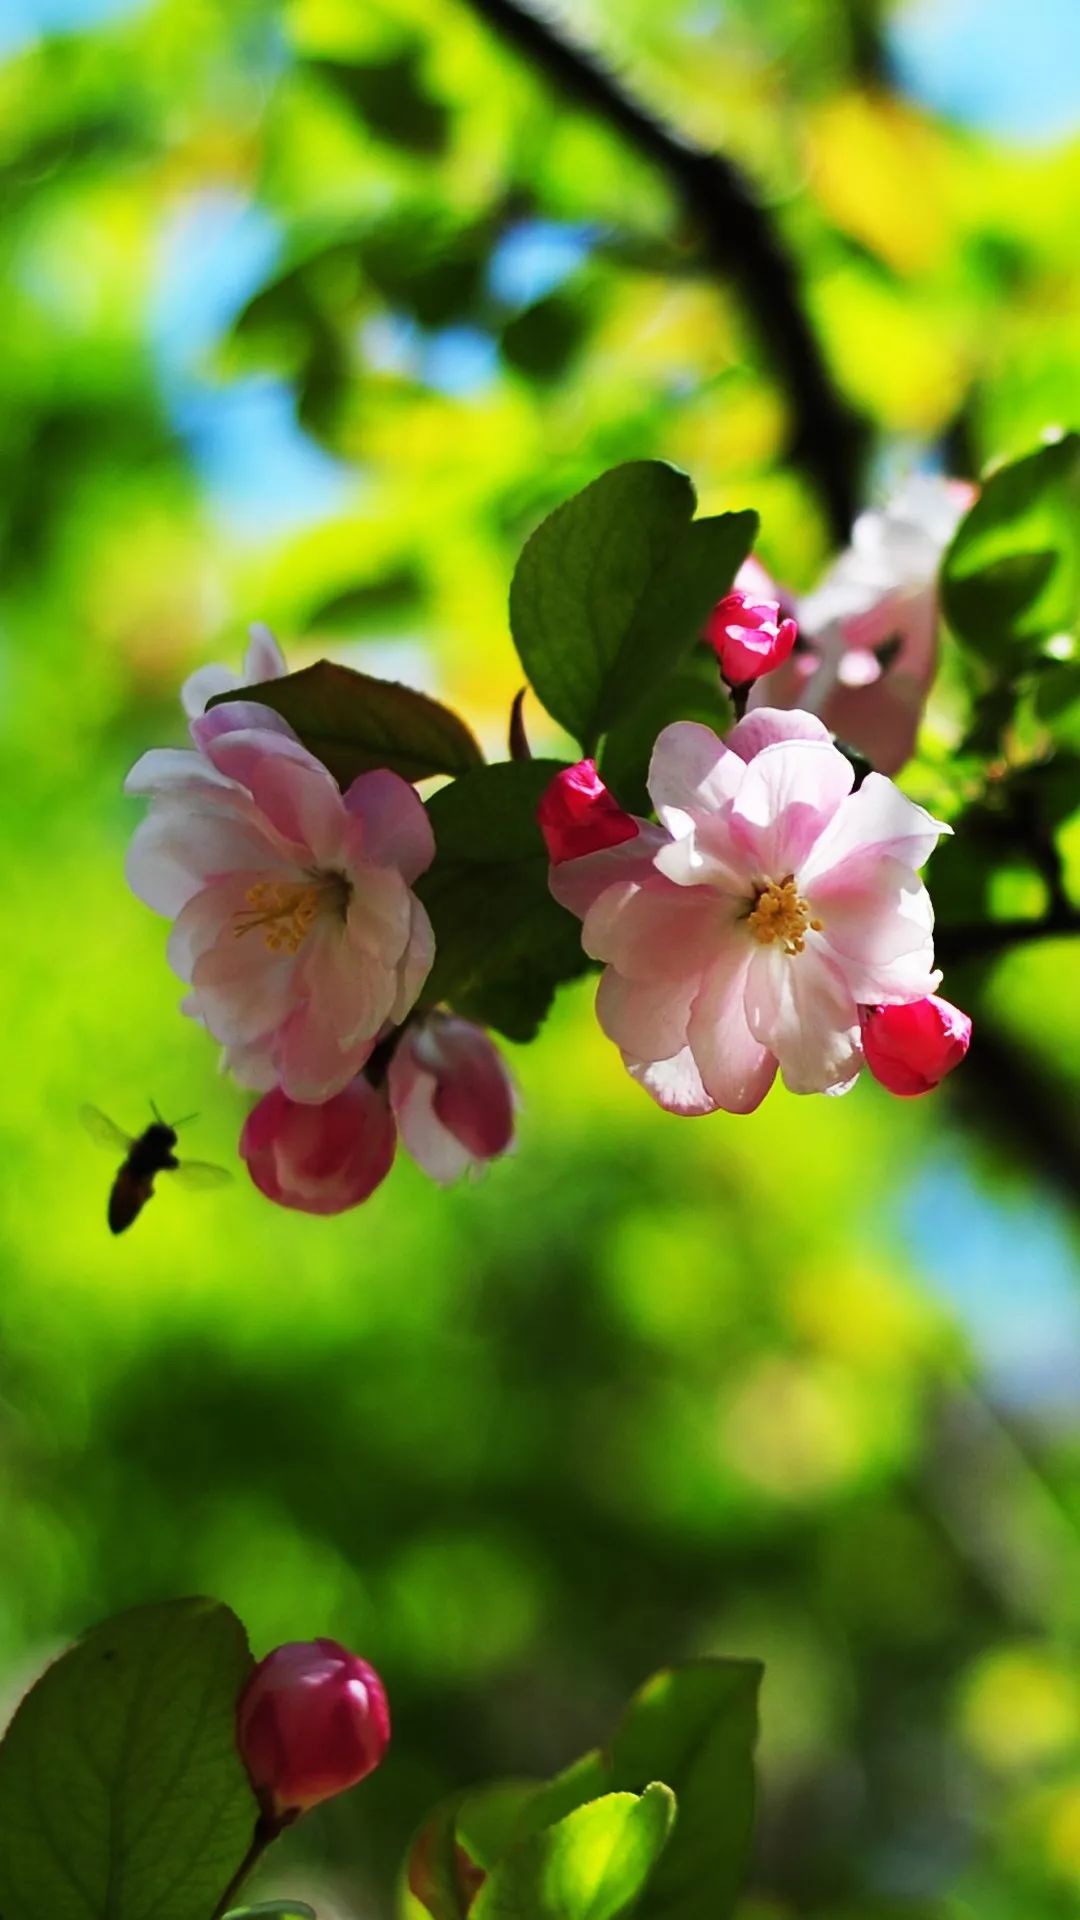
x: 911, y: 1048
x: 871, y: 626
x: 451, y: 1094
x: 745, y: 931
x: 295, y: 920
x: 578, y: 814
x: 749, y: 636
x: 320, y: 1159
x: 311, y: 1722
x: 263, y: 660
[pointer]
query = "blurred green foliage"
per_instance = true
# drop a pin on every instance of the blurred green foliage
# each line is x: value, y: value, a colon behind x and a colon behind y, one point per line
x: 311, y: 312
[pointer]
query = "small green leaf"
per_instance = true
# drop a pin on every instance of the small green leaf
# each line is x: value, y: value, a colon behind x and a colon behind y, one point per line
x: 354, y: 723
x: 693, y: 692
x: 695, y: 1726
x: 502, y: 944
x: 121, y: 1790
x: 1011, y: 577
x: 612, y: 589
x: 592, y: 1865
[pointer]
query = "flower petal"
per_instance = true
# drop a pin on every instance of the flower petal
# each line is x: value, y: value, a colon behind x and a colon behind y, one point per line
x: 878, y: 821
x: 238, y: 716
x: 577, y: 884
x: 656, y: 931
x: 674, y: 1084
x: 417, y: 963
x: 789, y: 794
x: 646, y: 1020
x: 799, y: 1006
x: 768, y: 726
x: 691, y: 772
x: 264, y: 659
x: 396, y: 831
x: 166, y: 770
x: 286, y: 782
x: 204, y: 685
x: 175, y: 850
x: 878, y: 924
x: 736, y: 1069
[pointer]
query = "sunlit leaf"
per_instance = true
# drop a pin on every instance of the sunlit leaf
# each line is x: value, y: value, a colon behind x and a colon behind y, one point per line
x: 1011, y: 577
x: 695, y: 1727
x: 121, y: 1789
x: 612, y: 589
x: 592, y: 1865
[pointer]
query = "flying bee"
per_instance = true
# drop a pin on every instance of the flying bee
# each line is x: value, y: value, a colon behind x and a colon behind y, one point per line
x: 150, y: 1153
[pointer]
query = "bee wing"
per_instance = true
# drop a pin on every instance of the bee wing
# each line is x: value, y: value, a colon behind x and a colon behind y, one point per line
x: 103, y: 1130
x: 202, y: 1173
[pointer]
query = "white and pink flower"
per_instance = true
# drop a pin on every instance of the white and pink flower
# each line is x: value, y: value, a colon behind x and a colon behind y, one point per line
x: 263, y: 660
x: 452, y: 1096
x: 744, y: 933
x: 295, y: 920
x: 870, y: 629
x: 320, y: 1159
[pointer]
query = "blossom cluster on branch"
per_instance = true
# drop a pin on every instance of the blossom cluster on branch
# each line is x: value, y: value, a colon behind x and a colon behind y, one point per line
x: 730, y: 850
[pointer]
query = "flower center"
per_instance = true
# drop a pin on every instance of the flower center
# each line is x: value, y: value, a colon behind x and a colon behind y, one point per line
x: 286, y: 910
x: 780, y: 914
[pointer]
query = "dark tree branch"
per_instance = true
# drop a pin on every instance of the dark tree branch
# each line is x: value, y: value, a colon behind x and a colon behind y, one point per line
x: 954, y: 945
x: 739, y: 238
x: 1001, y: 1086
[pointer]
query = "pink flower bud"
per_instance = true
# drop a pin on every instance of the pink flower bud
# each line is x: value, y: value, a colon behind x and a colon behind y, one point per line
x: 451, y: 1095
x: 910, y: 1048
x: 749, y: 636
x: 311, y: 1721
x: 320, y: 1158
x: 578, y: 815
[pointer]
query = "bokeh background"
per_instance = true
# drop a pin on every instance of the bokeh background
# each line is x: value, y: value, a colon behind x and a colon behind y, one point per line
x: 310, y: 311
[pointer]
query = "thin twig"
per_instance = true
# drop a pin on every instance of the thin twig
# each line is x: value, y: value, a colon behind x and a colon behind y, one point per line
x: 739, y: 238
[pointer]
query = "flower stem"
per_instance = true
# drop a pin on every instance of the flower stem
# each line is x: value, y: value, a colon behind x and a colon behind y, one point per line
x: 266, y: 1831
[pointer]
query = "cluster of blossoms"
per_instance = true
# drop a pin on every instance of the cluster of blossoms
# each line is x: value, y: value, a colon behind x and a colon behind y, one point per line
x: 305, y: 949
x: 773, y: 918
x: 770, y: 919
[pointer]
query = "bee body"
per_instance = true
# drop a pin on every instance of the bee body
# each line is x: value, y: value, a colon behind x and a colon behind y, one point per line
x: 148, y: 1154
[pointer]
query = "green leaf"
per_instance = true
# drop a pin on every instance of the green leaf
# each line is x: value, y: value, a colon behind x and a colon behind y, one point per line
x: 122, y: 1793
x: 612, y: 589
x: 586, y: 1779
x: 434, y: 1868
x: 491, y: 1818
x: 590, y: 1866
x: 1011, y: 576
x: 502, y: 944
x: 693, y: 692
x: 695, y: 1726
x: 354, y: 723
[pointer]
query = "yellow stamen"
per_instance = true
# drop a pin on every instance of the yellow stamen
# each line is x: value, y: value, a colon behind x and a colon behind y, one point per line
x: 286, y: 910
x: 779, y: 913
